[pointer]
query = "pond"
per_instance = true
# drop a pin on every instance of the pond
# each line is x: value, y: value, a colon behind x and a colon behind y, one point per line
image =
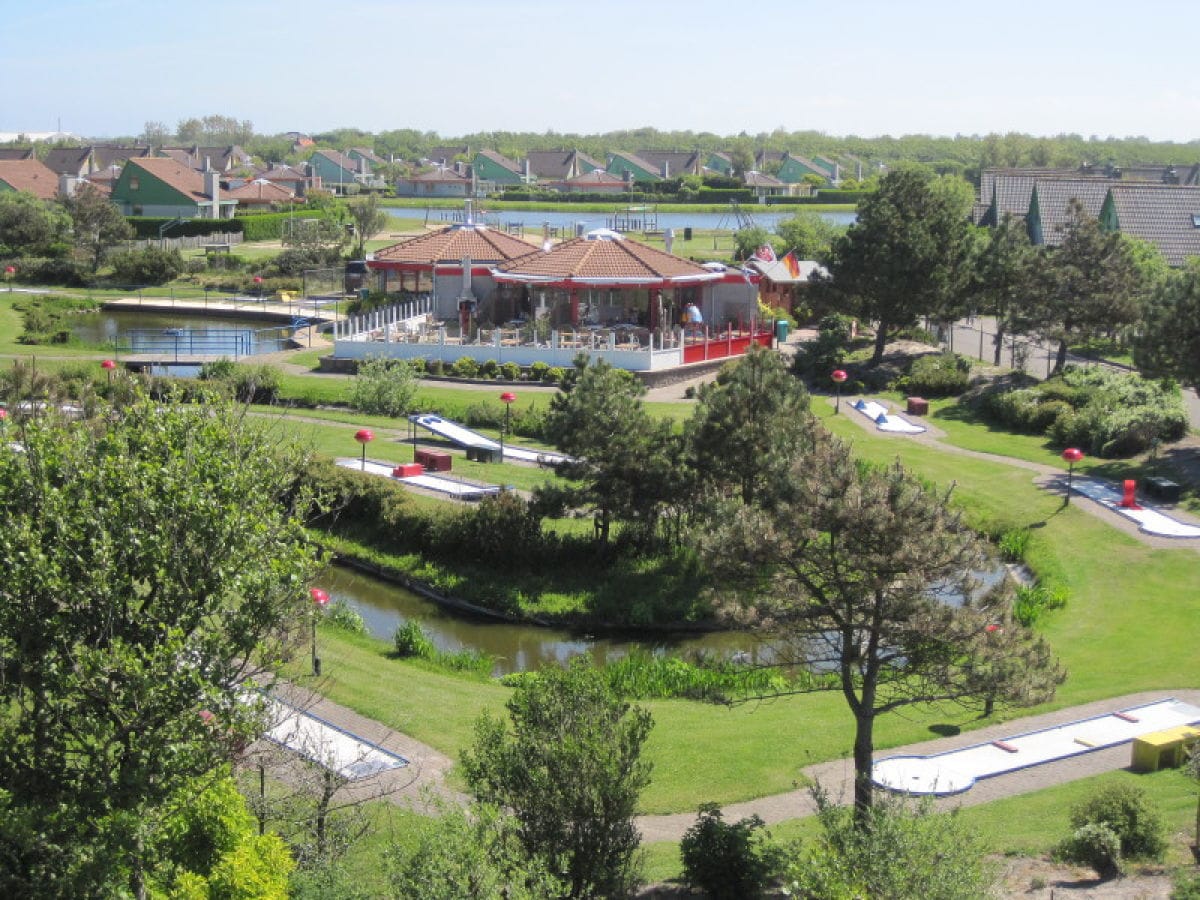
x: 385, y: 606
x: 179, y: 334
x: 532, y: 220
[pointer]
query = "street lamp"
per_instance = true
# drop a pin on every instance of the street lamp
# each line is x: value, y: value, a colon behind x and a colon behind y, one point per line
x: 507, y: 397
x: 364, y: 436
x: 320, y: 600
x: 108, y: 365
x: 9, y: 272
x: 258, y: 286
x: 1072, y: 455
x: 839, y: 377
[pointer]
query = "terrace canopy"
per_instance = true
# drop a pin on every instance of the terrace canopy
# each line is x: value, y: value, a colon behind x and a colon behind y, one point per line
x: 602, y: 278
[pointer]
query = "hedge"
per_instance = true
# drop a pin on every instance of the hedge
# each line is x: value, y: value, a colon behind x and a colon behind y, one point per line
x: 148, y: 226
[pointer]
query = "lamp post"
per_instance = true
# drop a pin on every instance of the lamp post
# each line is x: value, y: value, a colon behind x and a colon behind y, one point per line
x: 1072, y: 455
x: 258, y: 287
x: 108, y: 366
x: 364, y: 436
x: 3, y: 418
x: 9, y: 272
x: 507, y: 397
x: 320, y: 600
x: 839, y: 377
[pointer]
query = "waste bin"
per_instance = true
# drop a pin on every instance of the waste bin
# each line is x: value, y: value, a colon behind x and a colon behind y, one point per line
x: 781, y: 330
x: 687, y: 232
x: 364, y: 293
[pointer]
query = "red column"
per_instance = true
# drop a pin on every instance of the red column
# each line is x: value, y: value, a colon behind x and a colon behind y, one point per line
x: 575, y: 307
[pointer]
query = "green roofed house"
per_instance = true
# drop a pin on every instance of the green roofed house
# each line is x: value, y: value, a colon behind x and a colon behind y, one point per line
x: 1165, y: 215
x: 720, y: 163
x: 634, y: 168
x: 166, y: 187
x: 1050, y: 204
x: 792, y: 169
x: 493, y: 168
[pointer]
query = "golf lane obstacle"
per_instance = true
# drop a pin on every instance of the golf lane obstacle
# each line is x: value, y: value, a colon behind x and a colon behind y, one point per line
x: 326, y: 744
x: 1149, y: 520
x: 458, y: 489
x: 891, y: 422
x: 956, y: 771
x: 473, y: 440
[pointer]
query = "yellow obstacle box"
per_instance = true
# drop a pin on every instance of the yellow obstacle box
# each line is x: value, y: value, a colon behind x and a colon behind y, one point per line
x: 1164, y: 749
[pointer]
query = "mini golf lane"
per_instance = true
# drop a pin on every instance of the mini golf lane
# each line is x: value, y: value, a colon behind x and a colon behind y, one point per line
x: 461, y: 490
x: 327, y: 745
x: 884, y: 420
x: 957, y: 770
x: 1149, y: 520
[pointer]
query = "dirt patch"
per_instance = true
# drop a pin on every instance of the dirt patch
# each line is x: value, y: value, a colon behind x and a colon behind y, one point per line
x: 1040, y: 879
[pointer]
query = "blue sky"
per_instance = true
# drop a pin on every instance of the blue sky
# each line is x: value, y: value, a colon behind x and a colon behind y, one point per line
x: 106, y: 67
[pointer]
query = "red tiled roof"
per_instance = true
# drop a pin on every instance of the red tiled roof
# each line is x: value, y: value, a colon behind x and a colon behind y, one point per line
x: 29, y: 175
x: 450, y: 245
x: 183, y: 178
x: 261, y: 190
x: 597, y: 176
x: 604, y: 261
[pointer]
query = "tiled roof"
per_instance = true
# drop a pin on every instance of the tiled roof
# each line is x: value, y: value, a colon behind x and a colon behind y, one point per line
x: 766, y: 156
x: 183, y: 178
x: 596, y: 176
x: 368, y: 154
x: 68, y: 160
x: 284, y: 173
x: 1163, y: 214
x: 762, y: 179
x: 1012, y: 188
x: 104, y: 155
x: 603, y: 260
x: 180, y: 155
x: 1054, y: 196
x: 438, y: 175
x: 17, y: 153
x: 31, y: 176
x: 338, y: 158
x: 263, y: 191
x: 680, y: 162
x: 559, y: 163
x: 503, y: 161
x: 451, y: 244
x: 445, y: 155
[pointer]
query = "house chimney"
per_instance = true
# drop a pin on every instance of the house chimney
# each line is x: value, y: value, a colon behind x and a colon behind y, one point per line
x: 362, y: 166
x: 666, y: 168
x: 67, y: 185
x: 208, y: 164
x: 212, y: 189
x: 528, y: 175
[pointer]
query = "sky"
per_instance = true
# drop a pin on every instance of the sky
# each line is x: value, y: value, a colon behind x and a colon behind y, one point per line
x: 104, y: 68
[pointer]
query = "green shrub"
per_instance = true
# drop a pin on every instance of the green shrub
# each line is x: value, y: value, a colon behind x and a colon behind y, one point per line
x: 435, y: 367
x: 484, y: 415
x: 1186, y: 886
x: 728, y: 861
x: 936, y: 375
x: 384, y: 387
x: 257, y: 384
x: 510, y: 371
x: 411, y: 640
x: 554, y: 375
x: 222, y: 369
x: 489, y: 369
x: 1014, y: 544
x: 537, y: 371
x: 1095, y: 845
x: 1032, y: 601
x: 1125, y: 809
x: 465, y: 367
x: 343, y: 616
x: 147, y: 266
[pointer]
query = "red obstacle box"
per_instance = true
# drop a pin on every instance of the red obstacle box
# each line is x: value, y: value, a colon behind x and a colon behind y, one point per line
x: 408, y: 470
x: 918, y: 406
x: 434, y: 460
x: 1005, y: 746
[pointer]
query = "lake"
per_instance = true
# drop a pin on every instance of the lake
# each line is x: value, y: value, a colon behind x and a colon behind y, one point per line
x: 181, y: 334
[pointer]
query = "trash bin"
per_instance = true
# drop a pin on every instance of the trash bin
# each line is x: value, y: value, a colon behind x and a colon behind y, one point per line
x: 364, y: 293
x: 687, y: 232
x: 781, y: 330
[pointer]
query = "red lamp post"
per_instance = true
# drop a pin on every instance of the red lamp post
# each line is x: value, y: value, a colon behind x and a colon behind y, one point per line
x: 108, y: 366
x: 320, y: 600
x: 507, y: 398
x: 1072, y: 455
x: 9, y: 272
x: 3, y: 417
x: 839, y: 377
x: 364, y: 436
x: 258, y: 285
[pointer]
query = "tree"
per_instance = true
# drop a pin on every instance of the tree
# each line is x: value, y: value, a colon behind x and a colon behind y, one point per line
x: 1006, y: 279
x: 625, y: 465
x: 28, y: 226
x: 848, y: 565
x: 1169, y: 343
x: 155, y: 133
x: 571, y: 772
x: 321, y: 239
x: 153, y: 570
x: 906, y: 255
x: 748, y: 425
x: 808, y: 236
x: 748, y: 240
x: 96, y: 223
x: 1095, y: 284
x: 214, y: 130
x: 369, y: 219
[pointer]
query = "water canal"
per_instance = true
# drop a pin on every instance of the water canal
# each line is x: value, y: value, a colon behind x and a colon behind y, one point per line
x: 533, y: 219
x: 182, y: 334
